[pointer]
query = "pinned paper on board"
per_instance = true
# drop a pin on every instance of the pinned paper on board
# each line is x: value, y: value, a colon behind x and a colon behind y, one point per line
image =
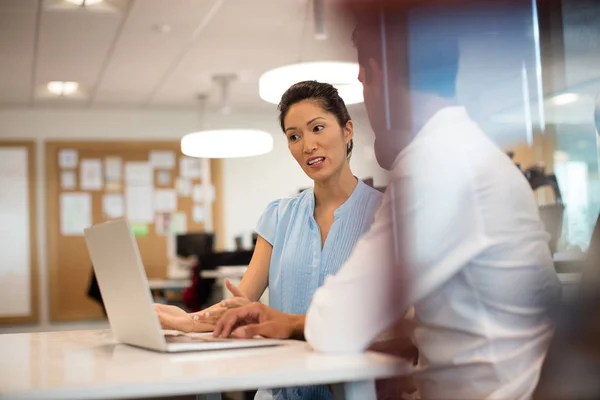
x: 190, y: 167
x: 165, y: 200
x: 198, y: 213
x: 90, y: 174
x: 139, y: 202
x: 162, y: 159
x: 75, y: 213
x: 67, y: 158
x: 113, y: 205
x: 68, y: 180
x: 139, y: 173
x: 171, y: 224
x: 112, y: 186
x: 184, y: 187
x: 139, y: 229
x: 163, y: 178
x: 113, y: 167
x: 197, y: 194
x: 204, y: 193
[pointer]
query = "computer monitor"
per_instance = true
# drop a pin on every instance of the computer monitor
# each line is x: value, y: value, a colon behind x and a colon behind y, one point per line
x: 195, y: 244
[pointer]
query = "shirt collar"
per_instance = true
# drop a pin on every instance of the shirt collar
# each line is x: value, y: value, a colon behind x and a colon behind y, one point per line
x: 347, y: 205
x: 425, y: 107
x: 430, y: 125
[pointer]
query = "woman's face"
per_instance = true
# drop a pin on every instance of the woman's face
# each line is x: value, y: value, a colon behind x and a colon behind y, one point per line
x: 316, y: 140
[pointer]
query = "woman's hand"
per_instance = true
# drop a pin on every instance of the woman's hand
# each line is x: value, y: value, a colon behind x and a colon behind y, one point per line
x: 212, y: 314
x: 175, y: 318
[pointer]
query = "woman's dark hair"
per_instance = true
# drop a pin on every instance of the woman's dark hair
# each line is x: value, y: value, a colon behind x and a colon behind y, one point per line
x: 325, y: 94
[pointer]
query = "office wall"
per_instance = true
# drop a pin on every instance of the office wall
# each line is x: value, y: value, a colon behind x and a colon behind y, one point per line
x: 249, y: 184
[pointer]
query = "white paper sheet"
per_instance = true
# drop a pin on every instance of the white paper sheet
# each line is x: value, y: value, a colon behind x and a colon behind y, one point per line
x: 112, y: 186
x: 171, y: 224
x: 140, y: 203
x: 75, y: 213
x: 165, y: 200
x: 210, y: 193
x: 204, y: 193
x: 67, y: 158
x: 113, y: 167
x: 90, y: 174
x: 190, y: 167
x: 162, y: 159
x: 164, y: 178
x: 113, y: 205
x: 198, y: 213
x: 198, y: 195
x: 184, y: 187
x: 139, y: 173
x: 68, y: 180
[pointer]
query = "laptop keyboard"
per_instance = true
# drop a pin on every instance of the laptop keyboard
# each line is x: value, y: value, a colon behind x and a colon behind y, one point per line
x: 192, y: 339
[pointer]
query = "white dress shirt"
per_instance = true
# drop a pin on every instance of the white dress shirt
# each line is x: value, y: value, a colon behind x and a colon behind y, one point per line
x: 477, y: 269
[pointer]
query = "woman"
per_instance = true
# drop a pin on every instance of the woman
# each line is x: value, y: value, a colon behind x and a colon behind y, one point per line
x: 301, y: 240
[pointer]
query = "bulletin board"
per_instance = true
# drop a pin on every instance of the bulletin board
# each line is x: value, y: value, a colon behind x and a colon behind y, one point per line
x: 77, y: 196
x: 18, y: 219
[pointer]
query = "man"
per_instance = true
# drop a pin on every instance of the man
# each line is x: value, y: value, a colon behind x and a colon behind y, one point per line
x: 458, y: 236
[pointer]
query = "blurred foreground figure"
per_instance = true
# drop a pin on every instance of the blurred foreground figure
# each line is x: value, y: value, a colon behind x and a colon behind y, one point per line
x: 572, y: 368
x: 478, y: 268
x: 458, y: 236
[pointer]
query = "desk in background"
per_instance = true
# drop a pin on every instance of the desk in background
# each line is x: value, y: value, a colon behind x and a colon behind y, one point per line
x: 87, y: 365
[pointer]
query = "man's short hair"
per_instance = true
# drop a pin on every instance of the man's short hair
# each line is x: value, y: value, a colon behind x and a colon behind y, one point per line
x: 425, y: 39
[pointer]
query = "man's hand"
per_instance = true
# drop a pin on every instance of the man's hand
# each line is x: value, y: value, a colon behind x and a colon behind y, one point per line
x: 257, y: 319
x: 175, y: 318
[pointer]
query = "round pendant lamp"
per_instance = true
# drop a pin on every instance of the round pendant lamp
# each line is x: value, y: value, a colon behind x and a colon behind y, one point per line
x: 342, y: 75
x: 225, y: 143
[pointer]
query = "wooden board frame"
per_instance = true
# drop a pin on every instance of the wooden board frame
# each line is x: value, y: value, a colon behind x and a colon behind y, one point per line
x: 53, y: 197
x: 30, y: 145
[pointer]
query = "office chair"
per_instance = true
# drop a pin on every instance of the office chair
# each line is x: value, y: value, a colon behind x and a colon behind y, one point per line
x: 550, y: 214
x: 200, y: 245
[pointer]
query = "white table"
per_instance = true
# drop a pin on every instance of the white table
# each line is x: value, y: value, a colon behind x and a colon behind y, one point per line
x: 91, y: 365
x: 168, y: 284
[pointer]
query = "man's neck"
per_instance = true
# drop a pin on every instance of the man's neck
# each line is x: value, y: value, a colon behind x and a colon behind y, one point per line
x: 424, y: 105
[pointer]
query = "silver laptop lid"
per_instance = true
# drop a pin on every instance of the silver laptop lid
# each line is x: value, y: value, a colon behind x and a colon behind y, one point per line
x: 123, y: 284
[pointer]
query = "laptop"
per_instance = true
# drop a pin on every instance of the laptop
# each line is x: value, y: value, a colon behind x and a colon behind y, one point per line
x: 128, y: 301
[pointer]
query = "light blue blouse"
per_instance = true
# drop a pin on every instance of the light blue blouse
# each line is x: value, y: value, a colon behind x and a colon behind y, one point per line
x: 299, y: 265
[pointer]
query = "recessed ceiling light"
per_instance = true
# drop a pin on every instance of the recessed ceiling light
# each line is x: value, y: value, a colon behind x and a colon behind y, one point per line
x: 565, y: 98
x: 342, y: 75
x: 84, y: 3
x: 227, y: 143
x: 61, y: 88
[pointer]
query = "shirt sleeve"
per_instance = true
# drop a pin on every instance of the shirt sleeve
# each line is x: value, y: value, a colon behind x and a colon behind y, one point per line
x: 436, y: 236
x: 267, y: 224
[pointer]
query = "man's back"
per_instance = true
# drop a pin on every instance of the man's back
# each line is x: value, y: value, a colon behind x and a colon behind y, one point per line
x: 481, y: 271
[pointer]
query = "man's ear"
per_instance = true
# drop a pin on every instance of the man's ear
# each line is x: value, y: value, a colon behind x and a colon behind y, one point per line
x: 375, y: 73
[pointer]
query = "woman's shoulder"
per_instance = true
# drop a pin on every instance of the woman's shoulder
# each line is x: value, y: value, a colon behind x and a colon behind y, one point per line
x: 288, y: 204
x: 373, y: 196
x: 372, y: 192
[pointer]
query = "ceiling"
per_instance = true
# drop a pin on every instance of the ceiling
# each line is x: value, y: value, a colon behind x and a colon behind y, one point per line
x: 121, y: 56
